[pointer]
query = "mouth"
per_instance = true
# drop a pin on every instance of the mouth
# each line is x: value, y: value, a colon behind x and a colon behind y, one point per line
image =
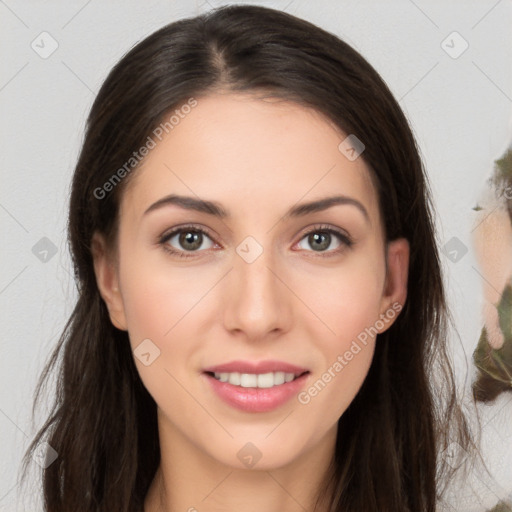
x: 256, y: 380
x: 256, y: 387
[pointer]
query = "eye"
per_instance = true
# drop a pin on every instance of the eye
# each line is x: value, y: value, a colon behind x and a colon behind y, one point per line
x: 325, y: 239
x: 186, y: 239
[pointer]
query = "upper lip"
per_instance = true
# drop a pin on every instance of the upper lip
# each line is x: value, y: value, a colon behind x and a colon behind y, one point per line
x: 256, y: 367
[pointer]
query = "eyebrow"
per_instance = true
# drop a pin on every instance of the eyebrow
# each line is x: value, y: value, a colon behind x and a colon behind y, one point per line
x: 216, y: 209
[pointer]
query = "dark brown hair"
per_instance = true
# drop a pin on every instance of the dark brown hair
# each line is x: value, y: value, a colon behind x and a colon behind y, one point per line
x: 103, y: 423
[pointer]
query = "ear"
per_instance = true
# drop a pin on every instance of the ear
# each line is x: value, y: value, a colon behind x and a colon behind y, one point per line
x: 395, y: 287
x: 107, y: 280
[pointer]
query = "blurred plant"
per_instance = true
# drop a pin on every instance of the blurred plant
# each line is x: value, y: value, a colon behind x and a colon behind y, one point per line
x: 502, y: 507
x: 495, y: 364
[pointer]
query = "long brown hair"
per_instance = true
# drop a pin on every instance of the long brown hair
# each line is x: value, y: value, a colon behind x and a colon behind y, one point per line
x: 103, y: 424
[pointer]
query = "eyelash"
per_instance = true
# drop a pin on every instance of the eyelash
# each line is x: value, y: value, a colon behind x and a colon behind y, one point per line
x: 345, y: 240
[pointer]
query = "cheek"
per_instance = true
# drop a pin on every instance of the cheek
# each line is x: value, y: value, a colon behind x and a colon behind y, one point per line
x: 161, y: 305
x: 348, y: 304
x: 332, y: 390
x: 157, y: 298
x: 173, y: 307
x: 347, y: 298
x: 346, y: 354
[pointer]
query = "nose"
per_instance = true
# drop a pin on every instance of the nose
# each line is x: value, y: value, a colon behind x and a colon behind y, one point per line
x: 257, y: 302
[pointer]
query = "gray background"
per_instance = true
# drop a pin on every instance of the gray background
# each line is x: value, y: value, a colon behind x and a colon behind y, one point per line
x: 460, y: 110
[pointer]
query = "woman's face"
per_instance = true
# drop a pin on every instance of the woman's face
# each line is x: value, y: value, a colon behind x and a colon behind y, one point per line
x: 272, y: 281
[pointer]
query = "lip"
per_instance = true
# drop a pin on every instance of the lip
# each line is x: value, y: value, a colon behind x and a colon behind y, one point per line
x: 256, y: 399
x: 256, y: 367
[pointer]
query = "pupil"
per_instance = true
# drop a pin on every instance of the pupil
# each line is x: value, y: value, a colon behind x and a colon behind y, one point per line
x: 191, y: 240
x: 320, y: 241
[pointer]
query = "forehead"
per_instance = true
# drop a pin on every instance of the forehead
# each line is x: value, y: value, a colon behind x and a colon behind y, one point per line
x: 252, y: 153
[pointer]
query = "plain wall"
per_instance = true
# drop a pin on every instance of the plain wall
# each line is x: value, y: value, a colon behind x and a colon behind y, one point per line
x: 460, y: 110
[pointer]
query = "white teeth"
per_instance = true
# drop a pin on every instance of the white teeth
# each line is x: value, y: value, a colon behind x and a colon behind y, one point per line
x: 248, y: 380
x: 234, y: 378
x: 279, y: 378
x: 252, y: 380
x: 265, y: 380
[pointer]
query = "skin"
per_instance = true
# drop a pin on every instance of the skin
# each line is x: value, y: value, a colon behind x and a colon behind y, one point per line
x: 258, y: 158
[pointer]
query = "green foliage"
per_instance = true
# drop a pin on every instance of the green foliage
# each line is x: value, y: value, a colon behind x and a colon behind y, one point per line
x: 497, y: 363
x: 502, y: 507
x: 503, y: 172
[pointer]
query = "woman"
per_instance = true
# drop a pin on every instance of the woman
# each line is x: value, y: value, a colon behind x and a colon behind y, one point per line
x: 260, y: 303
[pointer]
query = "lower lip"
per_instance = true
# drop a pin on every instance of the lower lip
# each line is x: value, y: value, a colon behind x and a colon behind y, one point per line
x: 256, y: 399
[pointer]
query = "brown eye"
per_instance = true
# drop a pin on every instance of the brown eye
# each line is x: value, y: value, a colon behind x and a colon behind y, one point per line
x: 326, y: 240
x: 187, y: 240
x: 190, y: 240
x: 319, y: 241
